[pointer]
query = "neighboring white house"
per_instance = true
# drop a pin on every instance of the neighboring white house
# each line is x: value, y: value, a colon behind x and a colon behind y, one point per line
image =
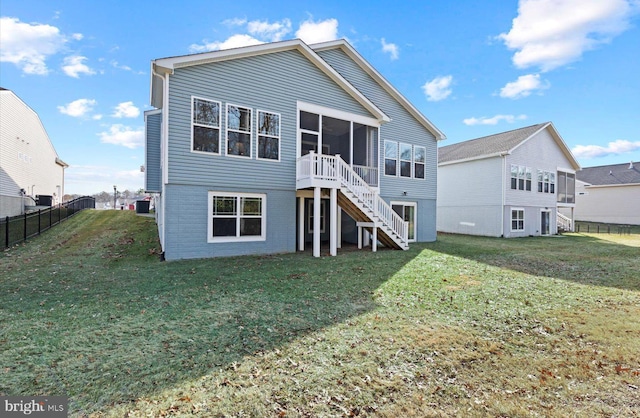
x: 609, y: 194
x: 510, y: 184
x: 29, y: 165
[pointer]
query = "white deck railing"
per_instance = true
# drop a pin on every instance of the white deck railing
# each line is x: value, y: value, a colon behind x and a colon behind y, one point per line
x: 367, y: 173
x: 564, y: 222
x: 334, y: 168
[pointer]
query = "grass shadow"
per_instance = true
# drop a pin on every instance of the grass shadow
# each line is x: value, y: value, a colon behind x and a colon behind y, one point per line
x: 88, y: 310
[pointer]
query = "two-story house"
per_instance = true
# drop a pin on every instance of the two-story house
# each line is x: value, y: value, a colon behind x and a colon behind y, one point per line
x: 511, y: 184
x: 284, y: 146
x: 31, y: 173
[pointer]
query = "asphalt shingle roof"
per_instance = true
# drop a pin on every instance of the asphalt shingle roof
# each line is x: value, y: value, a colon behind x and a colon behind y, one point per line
x: 611, y: 174
x: 487, y: 145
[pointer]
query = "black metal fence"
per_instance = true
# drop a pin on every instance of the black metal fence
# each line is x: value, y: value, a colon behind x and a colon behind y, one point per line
x: 16, y: 229
x: 598, y: 228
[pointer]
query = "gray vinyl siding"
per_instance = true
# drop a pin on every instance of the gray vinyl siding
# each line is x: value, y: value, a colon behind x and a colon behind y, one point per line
x: 153, y: 170
x: 271, y: 82
x: 187, y: 215
x: 402, y: 128
x: 532, y: 222
x: 470, y: 197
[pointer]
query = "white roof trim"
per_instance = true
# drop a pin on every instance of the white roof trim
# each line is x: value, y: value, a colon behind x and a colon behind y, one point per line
x: 479, y: 157
x: 358, y: 59
x: 171, y: 63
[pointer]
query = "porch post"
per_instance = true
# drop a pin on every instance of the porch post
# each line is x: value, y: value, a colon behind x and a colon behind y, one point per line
x: 339, y: 227
x: 333, y: 220
x: 359, y: 237
x: 316, y: 221
x: 301, y: 224
x: 374, y: 243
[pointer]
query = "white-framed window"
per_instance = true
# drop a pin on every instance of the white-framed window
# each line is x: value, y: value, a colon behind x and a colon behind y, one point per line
x: 520, y: 177
x: 323, y: 212
x: 205, y: 125
x: 408, y: 212
x: 546, y: 182
x: 237, y: 217
x: 406, y: 158
x: 419, y: 161
x: 517, y: 219
x: 268, y: 143
x: 390, y: 158
x: 238, y: 131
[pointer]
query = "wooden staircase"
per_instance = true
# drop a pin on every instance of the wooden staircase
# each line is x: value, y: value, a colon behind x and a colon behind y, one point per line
x: 355, y: 197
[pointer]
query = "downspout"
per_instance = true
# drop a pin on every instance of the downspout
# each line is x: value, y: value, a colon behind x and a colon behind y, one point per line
x: 164, y: 147
x: 504, y: 192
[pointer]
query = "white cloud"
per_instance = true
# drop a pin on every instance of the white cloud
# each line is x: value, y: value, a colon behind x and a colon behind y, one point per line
x: 493, y: 120
x: 236, y: 21
x: 315, y: 32
x: 29, y: 45
x: 74, y: 66
x: 272, y: 32
x: 390, y: 48
x: 620, y: 146
x: 124, y: 136
x: 126, y: 110
x: 438, y: 88
x: 523, y: 86
x: 551, y: 33
x: 78, y: 108
x: 235, y: 41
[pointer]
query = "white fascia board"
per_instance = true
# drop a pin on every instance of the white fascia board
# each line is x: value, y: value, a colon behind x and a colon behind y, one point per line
x: 167, y: 65
x: 600, y: 186
x: 358, y: 59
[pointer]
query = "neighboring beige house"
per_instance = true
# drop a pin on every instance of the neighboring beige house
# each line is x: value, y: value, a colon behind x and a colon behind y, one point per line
x: 609, y: 194
x: 511, y: 184
x: 30, y: 169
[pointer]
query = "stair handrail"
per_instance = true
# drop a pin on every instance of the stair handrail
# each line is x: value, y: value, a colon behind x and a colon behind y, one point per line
x: 371, y: 199
x: 564, y: 221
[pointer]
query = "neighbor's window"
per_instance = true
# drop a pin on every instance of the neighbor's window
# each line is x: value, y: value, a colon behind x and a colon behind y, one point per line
x: 268, y: 135
x: 546, y: 182
x: 391, y: 158
x: 517, y: 219
x: 419, y: 160
x: 236, y: 217
x: 405, y: 160
x: 238, y: 131
x: 520, y: 177
x: 205, y: 125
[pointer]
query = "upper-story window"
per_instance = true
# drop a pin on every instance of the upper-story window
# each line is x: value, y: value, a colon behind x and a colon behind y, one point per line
x: 238, y: 131
x: 391, y: 158
x: 546, y: 182
x: 268, y: 135
x: 405, y: 160
x: 520, y: 177
x: 205, y: 125
x: 419, y: 160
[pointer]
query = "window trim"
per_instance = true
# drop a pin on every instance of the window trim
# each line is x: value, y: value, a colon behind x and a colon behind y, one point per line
x: 258, y: 135
x: 397, y: 159
x: 410, y: 160
x: 517, y: 219
x: 219, y: 127
x: 523, y: 177
x: 424, y: 163
x: 227, y: 130
x: 238, y: 216
x: 550, y: 181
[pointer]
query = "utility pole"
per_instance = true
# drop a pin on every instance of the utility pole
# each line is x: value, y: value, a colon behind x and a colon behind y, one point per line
x: 115, y: 194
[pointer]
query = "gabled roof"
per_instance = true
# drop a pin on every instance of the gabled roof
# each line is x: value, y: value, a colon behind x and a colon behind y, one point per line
x: 500, y: 144
x: 162, y: 66
x: 388, y: 87
x: 616, y: 174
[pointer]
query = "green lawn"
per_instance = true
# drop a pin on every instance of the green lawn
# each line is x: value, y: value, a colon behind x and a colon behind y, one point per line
x: 465, y: 326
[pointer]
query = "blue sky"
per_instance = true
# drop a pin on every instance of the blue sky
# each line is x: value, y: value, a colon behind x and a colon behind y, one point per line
x: 473, y: 68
